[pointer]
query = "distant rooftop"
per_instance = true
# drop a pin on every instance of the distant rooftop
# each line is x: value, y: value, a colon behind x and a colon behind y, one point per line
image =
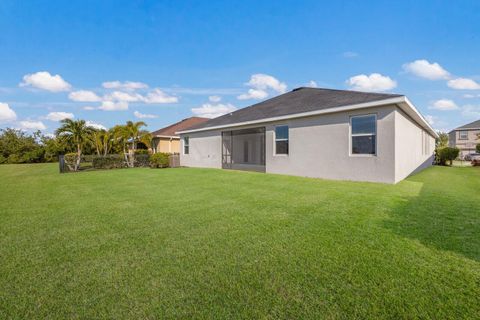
x: 298, y: 100
x: 471, y: 125
x: 181, y: 125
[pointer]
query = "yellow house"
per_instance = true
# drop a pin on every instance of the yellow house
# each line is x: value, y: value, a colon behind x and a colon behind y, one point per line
x: 165, y: 139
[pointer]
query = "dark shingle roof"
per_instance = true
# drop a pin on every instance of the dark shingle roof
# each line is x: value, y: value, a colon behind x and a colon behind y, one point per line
x: 472, y: 125
x: 297, y: 101
x: 181, y: 125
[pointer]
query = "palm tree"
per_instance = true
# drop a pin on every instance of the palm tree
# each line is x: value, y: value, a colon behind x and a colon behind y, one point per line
x: 121, y: 135
x: 103, y: 141
x: 135, y: 131
x: 76, y: 132
x: 146, y: 137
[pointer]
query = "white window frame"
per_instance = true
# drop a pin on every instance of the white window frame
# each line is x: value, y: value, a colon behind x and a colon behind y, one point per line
x: 362, y: 135
x: 275, y: 140
x: 460, y: 134
x: 185, y: 145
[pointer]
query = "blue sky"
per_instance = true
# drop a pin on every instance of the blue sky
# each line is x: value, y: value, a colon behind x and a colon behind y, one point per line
x: 161, y: 61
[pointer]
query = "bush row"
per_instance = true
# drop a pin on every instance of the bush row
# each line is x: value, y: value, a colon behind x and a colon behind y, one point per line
x: 117, y: 161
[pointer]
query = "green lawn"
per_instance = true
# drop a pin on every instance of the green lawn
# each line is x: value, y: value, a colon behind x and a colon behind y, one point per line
x: 201, y: 243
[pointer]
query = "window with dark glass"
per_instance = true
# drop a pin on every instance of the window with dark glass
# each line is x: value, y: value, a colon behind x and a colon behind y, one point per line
x: 364, y: 134
x: 186, y: 145
x: 463, y: 135
x: 281, y: 140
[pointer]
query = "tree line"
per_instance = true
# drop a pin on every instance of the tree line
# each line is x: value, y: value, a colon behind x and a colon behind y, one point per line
x: 73, y: 136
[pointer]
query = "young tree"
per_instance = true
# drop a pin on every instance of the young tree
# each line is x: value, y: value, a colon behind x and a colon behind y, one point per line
x: 77, y: 133
x: 442, y: 140
x: 448, y: 154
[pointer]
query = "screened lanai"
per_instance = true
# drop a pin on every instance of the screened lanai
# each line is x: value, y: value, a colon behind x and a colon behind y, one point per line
x: 244, y: 149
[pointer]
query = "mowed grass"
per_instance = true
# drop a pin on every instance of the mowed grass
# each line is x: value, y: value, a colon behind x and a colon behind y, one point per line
x: 203, y: 243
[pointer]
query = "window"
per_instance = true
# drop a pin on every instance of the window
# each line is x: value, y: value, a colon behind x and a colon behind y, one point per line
x: 463, y: 135
x: 281, y: 140
x: 186, y: 145
x: 364, y: 134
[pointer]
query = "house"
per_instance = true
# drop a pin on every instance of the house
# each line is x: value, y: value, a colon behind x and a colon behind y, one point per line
x: 313, y: 132
x: 465, y: 138
x: 165, y: 139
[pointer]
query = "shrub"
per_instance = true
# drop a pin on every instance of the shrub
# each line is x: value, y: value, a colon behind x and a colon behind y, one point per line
x: 159, y: 160
x: 477, y: 148
x: 141, y: 151
x: 110, y: 161
x: 142, y: 160
x: 446, y: 154
x: 476, y: 162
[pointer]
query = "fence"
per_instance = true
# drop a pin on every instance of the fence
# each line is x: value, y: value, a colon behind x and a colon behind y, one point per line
x: 71, y: 163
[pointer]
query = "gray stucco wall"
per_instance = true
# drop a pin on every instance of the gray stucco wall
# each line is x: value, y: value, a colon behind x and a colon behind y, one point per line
x: 205, y: 150
x: 320, y: 148
x: 412, y: 152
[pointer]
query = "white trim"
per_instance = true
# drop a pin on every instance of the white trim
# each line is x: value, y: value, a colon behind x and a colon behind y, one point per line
x: 402, y: 101
x: 275, y: 154
x: 163, y: 136
x: 350, y: 136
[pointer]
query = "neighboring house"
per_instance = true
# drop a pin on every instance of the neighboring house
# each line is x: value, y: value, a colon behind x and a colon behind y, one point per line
x: 465, y: 138
x: 313, y: 132
x: 165, y: 139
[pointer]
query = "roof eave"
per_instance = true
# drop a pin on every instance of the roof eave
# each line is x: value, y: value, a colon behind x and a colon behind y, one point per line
x: 408, y: 107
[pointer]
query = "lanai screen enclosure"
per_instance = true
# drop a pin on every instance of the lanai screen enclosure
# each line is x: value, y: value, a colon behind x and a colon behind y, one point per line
x: 244, y: 149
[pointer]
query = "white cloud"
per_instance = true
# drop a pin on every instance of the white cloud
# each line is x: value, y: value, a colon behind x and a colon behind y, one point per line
x: 58, y: 116
x: 350, y: 54
x: 6, y: 113
x: 312, y: 84
x: 123, y: 96
x: 444, y: 105
x: 260, y: 84
x: 95, y: 125
x: 127, y: 85
x: 373, y: 82
x: 424, y: 69
x: 45, y: 81
x: 113, y: 106
x: 463, y: 84
x: 469, y: 96
x: 208, y: 110
x: 253, y: 94
x: 214, y: 98
x: 471, y: 111
x: 32, y: 125
x: 84, y: 96
x: 89, y: 108
x: 158, y: 96
x: 144, y: 116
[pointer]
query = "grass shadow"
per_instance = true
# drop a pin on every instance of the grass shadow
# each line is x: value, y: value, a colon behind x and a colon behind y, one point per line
x: 445, y: 214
